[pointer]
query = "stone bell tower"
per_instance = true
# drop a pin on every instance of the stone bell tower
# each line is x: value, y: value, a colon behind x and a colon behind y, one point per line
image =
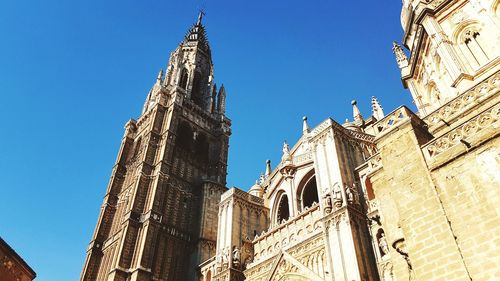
x: 156, y: 222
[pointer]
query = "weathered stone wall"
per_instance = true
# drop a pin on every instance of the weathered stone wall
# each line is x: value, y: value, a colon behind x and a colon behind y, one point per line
x: 411, y: 210
x: 468, y: 189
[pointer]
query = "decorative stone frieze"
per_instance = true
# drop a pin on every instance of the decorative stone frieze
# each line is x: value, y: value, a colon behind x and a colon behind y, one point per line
x: 287, y: 234
x: 459, y: 135
x: 463, y: 102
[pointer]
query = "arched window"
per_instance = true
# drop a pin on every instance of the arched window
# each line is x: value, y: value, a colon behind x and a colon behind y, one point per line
x: 201, y: 147
x: 310, y: 193
x: 209, y: 276
x: 184, y: 137
x: 184, y: 79
x: 283, y: 212
x: 473, y: 46
x: 369, y: 189
x: 196, y: 93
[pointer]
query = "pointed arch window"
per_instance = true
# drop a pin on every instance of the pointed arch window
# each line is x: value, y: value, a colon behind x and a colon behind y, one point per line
x: 310, y: 193
x: 184, y: 137
x: 473, y: 47
x: 184, y: 79
x: 196, y: 93
x: 283, y: 210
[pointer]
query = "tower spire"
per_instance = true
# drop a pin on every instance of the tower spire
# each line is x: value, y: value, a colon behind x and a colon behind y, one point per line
x: 197, y: 34
x: 305, y: 126
x: 358, y: 118
x: 268, y: 168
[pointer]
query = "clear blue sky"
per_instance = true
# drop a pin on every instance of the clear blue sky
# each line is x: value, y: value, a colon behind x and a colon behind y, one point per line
x: 73, y: 72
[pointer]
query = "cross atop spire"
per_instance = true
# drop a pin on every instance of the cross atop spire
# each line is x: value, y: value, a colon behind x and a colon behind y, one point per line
x: 200, y: 17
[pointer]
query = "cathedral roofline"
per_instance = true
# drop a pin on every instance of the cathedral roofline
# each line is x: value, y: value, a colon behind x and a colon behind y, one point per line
x: 357, y: 136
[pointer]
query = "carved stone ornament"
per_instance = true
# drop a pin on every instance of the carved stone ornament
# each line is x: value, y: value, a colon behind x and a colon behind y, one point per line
x: 401, y: 57
x: 382, y: 243
x: 337, y: 196
x: 327, y: 203
x: 236, y: 257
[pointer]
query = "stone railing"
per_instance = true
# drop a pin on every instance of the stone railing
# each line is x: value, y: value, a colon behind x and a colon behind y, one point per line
x: 392, y: 119
x: 465, y: 101
x: 459, y: 134
x: 374, y: 162
x: 241, y: 194
x: 361, y: 136
x: 287, y: 234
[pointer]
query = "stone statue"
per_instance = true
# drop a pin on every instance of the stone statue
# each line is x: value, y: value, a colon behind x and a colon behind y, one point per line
x: 286, y: 152
x: 327, y: 203
x: 337, y: 195
x: 382, y: 243
x: 219, y: 259
x: 225, y: 256
x: 262, y: 179
x: 349, y: 195
x: 236, y: 257
x: 355, y: 193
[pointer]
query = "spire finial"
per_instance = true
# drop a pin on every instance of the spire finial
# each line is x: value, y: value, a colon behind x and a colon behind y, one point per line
x: 377, y: 110
x: 305, y: 126
x: 200, y: 17
x: 358, y: 118
x: 401, y: 57
x: 268, y: 168
x: 160, y: 75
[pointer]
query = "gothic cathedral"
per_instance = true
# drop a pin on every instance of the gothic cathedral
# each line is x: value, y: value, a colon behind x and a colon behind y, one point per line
x: 398, y: 196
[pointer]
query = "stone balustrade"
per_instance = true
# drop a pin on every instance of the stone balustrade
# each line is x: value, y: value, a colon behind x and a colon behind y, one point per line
x: 392, y: 119
x: 241, y: 194
x: 287, y: 234
x: 459, y: 135
x: 463, y: 102
x: 374, y: 162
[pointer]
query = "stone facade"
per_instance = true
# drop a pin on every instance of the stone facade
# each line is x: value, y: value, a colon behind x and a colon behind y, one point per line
x: 402, y: 196
x: 432, y: 184
x: 12, y: 266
